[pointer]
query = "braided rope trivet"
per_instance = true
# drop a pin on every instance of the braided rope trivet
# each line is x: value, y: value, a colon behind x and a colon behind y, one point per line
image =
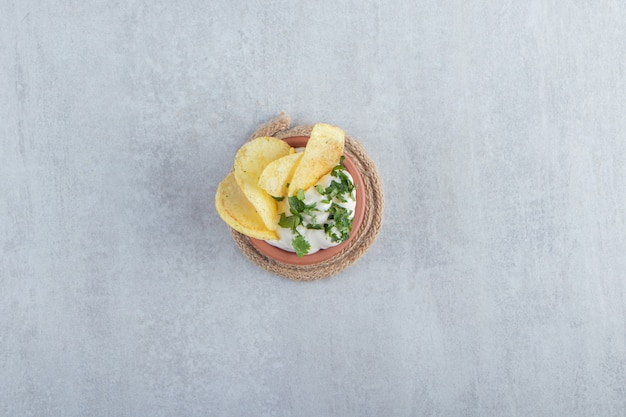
x: 367, y: 233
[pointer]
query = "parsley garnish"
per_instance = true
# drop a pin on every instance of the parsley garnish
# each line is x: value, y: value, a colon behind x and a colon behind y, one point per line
x: 290, y: 222
x: 300, y: 245
x: 340, y: 230
x: 337, y: 189
x: 297, y: 208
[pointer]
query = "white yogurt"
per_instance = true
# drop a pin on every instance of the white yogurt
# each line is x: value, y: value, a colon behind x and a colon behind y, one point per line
x: 317, y: 238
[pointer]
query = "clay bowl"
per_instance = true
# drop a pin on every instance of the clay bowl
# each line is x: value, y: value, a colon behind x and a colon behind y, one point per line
x: 324, y: 254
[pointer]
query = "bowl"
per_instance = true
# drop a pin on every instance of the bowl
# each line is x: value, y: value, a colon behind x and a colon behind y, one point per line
x: 322, y: 255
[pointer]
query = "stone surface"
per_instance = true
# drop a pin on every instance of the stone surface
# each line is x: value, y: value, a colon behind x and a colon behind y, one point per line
x: 495, y: 288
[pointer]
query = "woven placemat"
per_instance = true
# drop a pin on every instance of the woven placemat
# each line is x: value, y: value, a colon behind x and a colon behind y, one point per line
x: 367, y: 233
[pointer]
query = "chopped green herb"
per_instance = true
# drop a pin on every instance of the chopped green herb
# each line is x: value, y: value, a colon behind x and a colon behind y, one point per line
x: 278, y: 198
x: 300, y: 245
x: 339, y: 229
x: 297, y: 206
x: 337, y: 189
x: 290, y: 222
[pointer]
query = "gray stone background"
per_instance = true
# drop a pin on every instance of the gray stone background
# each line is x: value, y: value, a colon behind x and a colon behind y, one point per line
x: 496, y: 287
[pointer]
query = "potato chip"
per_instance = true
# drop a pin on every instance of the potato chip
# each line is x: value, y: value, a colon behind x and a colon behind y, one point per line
x: 236, y: 210
x: 278, y: 173
x: 250, y: 161
x: 322, y: 153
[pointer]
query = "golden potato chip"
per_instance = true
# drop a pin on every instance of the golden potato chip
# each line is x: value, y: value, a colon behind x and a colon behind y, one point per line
x: 250, y: 161
x: 278, y: 173
x: 234, y: 208
x: 322, y: 153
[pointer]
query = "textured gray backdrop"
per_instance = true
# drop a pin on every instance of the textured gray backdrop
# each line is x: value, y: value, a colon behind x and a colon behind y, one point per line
x: 496, y: 287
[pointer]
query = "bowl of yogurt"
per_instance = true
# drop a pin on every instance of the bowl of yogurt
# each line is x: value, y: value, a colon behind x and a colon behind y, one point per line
x: 318, y: 223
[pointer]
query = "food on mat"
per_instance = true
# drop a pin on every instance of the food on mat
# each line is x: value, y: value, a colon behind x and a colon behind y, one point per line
x: 300, y: 202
